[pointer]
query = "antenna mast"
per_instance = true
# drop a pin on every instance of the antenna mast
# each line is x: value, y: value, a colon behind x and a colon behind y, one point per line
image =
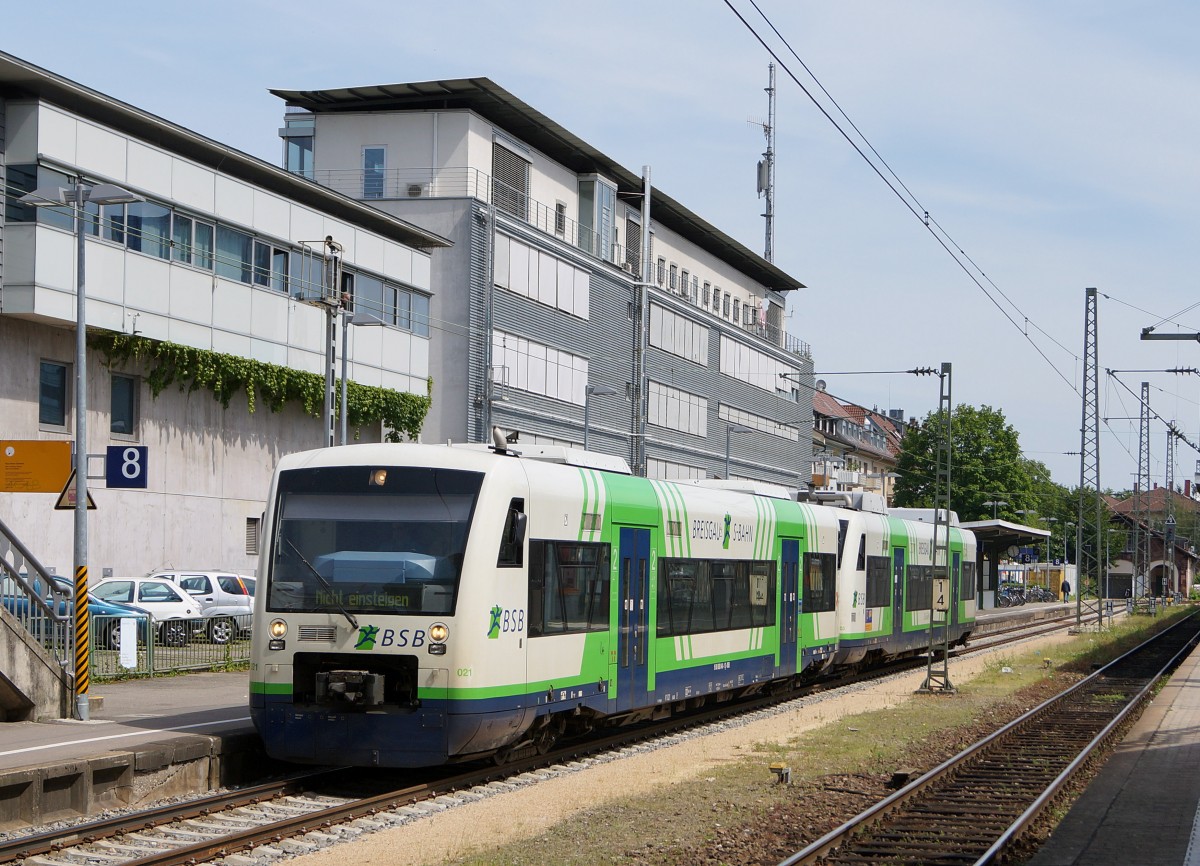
x: 766, y: 168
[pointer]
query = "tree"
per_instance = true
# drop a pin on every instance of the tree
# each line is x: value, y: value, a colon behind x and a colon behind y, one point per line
x: 986, y: 465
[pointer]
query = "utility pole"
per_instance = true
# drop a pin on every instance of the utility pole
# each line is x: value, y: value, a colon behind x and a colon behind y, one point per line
x: 1142, y: 504
x: 1088, y: 525
x: 942, y: 597
x: 766, y: 168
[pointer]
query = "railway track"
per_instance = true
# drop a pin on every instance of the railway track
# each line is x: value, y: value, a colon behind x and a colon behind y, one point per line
x: 309, y: 811
x: 972, y: 807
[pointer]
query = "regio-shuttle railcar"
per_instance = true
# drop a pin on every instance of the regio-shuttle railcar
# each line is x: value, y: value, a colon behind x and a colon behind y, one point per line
x: 427, y: 604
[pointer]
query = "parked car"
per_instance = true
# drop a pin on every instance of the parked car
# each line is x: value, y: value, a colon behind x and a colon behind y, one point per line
x: 226, y: 600
x: 104, y: 616
x: 172, y: 610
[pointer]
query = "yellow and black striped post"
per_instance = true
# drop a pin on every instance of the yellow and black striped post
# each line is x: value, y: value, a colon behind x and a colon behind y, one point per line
x: 82, y: 643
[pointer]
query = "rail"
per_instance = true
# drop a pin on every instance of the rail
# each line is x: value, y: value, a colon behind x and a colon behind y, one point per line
x: 1008, y: 787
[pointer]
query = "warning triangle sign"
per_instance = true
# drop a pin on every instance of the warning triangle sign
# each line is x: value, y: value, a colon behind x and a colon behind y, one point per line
x: 66, y: 499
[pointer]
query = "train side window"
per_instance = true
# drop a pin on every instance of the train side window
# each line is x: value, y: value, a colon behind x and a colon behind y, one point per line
x: 568, y: 587
x: 512, y: 539
x: 861, y: 562
x: 967, y: 587
x: 920, y: 588
x: 820, y: 579
x: 879, y: 581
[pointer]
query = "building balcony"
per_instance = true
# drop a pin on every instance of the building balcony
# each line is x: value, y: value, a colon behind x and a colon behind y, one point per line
x: 417, y: 183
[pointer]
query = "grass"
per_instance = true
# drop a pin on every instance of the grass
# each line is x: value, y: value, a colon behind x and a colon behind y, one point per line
x: 743, y: 792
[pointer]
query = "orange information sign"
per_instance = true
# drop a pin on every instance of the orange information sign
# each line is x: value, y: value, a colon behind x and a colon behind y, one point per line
x: 34, y: 465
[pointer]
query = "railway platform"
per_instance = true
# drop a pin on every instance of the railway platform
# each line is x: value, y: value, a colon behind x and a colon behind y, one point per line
x: 1144, y: 806
x: 145, y: 740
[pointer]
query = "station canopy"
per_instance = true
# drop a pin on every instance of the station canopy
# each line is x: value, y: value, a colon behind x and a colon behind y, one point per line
x: 1002, y: 535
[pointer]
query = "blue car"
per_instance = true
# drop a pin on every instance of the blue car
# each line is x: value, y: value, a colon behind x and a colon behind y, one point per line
x: 104, y: 616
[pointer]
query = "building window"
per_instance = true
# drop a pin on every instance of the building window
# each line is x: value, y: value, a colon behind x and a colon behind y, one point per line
x: 234, y: 250
x: 541, y: 277
x: 737, y: 310
x: 678, y: 335
x: 420, y: 314
x: 674, y: 284
x: 123, y: 405
x: 662, y: 271
x: 725, y: 306
x: 191, y: 242
x: 716, y: 301
x: 560, y: 218
x: 53, y: 394
x: 148, y: 228
x: 675, y: 409
x: 510, y: 182
x: 707, y: 293
x: 683, y: 285
x: 298, y: 145
x: 373, y: 171
x: 252, y: 535
x: 270, y: 267
x: 633, y: 244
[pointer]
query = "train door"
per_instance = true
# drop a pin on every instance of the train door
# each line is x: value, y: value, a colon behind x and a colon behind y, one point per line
x: 897, y: 590
x: 633, y: 636
x: 955, y: 590
x: 790, y: 595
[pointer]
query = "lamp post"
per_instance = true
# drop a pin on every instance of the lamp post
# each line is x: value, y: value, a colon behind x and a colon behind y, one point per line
x: 349, y: 319
x: 80, y: 196
x: 994, y: 504
x: 588, y: 392
x: 1050, y: 539
x: 729, y: 429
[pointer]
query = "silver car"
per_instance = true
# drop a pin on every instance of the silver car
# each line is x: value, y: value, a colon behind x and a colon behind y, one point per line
x: 226, y: 600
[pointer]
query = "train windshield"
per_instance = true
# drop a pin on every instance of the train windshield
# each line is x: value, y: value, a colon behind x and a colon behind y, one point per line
x: 364, y: 539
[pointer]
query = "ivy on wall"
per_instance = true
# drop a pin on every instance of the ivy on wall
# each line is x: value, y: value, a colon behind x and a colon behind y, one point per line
x: 224, y: 375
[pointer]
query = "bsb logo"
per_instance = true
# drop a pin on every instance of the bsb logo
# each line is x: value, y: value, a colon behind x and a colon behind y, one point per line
x: 505, y: 620
x: 372, y: 636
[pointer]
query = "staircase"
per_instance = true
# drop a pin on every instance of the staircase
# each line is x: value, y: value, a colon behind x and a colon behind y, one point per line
x: 35, y: 646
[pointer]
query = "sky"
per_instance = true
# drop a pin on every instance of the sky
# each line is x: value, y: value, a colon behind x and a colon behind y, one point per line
x: 1053, y: 146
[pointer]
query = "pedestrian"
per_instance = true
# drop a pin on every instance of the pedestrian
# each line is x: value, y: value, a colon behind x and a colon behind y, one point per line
x: 1066, y: 589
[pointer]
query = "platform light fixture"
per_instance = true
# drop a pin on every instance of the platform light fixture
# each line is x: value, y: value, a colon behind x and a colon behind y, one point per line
x: 590, y: 391
x: 79, y: 196
x: 729, y: 430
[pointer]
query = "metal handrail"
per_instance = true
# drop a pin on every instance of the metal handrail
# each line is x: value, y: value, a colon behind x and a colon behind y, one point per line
x: 21, y: 596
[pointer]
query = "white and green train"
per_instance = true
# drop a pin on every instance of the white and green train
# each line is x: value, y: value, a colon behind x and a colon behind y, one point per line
x: 427, y: 604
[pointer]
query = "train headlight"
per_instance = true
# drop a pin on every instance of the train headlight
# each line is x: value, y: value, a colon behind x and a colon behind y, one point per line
x: 378, y: 477
x: 438, y: 632
x: 275, y: 631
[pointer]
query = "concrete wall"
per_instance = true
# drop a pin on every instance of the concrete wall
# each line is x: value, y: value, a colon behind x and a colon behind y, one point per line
x: 32, y: 685
x: 208, y: 467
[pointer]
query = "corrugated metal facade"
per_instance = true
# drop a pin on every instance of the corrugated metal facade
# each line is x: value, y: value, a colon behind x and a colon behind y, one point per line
x: 606, y: 338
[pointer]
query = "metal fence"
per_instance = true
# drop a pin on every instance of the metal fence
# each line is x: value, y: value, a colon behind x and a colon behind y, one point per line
x: 191, y: 645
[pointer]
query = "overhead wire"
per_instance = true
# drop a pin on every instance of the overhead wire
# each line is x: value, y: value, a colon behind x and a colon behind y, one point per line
x: 942, y: 239
x: 912, y: 202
